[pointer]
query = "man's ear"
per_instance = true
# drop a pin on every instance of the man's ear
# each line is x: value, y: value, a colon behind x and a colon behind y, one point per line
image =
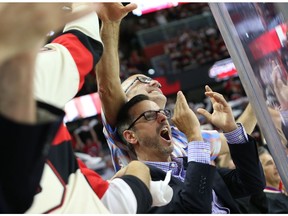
x: 130, y: 136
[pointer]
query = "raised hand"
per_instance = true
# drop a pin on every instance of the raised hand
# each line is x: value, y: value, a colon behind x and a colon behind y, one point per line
x: 222, y: 116
x: 25, y: 25
x: 113, y: 12
x: 185, y: 119
x: 280, y: 88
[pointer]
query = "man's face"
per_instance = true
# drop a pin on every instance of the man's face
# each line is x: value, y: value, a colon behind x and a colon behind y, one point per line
x: 141, y: 84
x: 153, y: 135
x: 270, y: 170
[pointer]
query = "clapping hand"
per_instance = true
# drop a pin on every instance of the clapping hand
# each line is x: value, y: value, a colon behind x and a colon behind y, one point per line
x: 222, y: 116
x: 185, y: 119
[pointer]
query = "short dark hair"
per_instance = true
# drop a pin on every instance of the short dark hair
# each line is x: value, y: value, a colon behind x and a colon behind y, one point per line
x: 124, y: 119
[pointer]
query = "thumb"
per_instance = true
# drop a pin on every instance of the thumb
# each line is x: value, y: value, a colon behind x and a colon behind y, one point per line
x: 130, y: 7
x: 205, y: 113
x: 207, y: 88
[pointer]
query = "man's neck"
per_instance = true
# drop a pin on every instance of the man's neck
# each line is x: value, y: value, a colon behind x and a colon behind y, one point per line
x: 153, y: 158
x: 272, y: 185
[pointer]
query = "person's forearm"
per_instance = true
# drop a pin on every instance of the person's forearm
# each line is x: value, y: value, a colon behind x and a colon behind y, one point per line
x: 107, y: 73
x: 224, y: 145
x: 248, y: 119
x: 16, y: 88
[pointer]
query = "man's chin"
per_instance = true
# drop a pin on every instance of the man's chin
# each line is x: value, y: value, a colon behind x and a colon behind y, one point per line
x: 159, y: 99
x: 168, y: 150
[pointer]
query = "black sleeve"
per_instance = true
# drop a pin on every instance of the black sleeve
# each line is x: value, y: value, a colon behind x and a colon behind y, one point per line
x: 277, y: 203
x: 197, y: 191
x: 141, y: 192
x: 254, y: 204
x: 24, y: 149
x: 248, y: 177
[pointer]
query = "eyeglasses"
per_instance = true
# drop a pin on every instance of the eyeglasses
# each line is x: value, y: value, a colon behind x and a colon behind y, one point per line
x: 151, y: 115
x: 141, y: 79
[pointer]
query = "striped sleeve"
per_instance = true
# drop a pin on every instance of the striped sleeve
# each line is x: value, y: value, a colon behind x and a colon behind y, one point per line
x: 85, y: 51
x: 63, y: 65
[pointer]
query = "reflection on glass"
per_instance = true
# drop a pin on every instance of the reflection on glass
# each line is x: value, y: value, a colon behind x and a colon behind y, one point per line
x: 256, y: 37
x: 263, y: 31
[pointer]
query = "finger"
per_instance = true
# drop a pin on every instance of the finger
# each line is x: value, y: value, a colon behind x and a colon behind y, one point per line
x: 205, y: 113
x: 177, y: 103
x: 207, y: 88
x: 182, y: 99
x: 217, y: 98
x: 128, y: 8
x: 211, y: 97
x: 220, y: 99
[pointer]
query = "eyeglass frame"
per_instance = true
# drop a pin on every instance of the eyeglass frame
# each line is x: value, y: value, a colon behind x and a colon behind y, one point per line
x: 165, y: 112
x: 147, y: 81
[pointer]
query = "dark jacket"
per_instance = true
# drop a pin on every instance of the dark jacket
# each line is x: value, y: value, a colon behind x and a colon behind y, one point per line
x: 194, y: 195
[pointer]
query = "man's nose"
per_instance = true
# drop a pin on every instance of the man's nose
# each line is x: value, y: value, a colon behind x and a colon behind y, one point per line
x: 155, y: 83
x: 161, y: 117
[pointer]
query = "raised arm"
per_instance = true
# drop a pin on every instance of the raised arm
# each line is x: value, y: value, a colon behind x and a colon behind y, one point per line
x: 107, y: 70
x: 61, y: 67
x: 16, y: 88
x: 28, y: 137
x: 31, y: 25
x: 248, y: 176
x: 248, y: 119
x: 191, y: 198
x: 20, y: 40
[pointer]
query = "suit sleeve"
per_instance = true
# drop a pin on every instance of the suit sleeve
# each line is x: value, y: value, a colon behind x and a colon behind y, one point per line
x: 248, y: 177
x: 62, y: 65
x: 192, y: 196
x: 196, y: 195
